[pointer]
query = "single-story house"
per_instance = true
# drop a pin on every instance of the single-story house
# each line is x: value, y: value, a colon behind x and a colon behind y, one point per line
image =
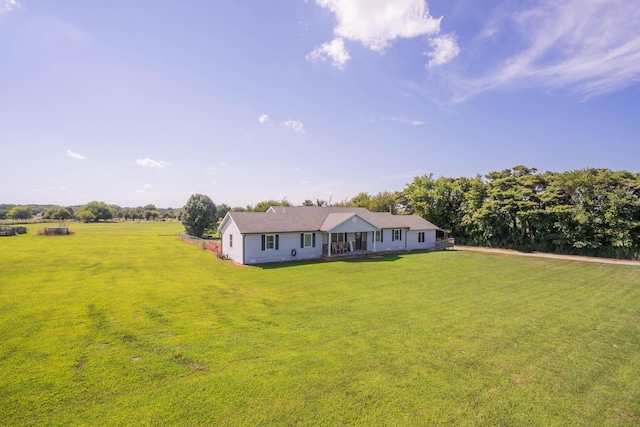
x: 285, y: 233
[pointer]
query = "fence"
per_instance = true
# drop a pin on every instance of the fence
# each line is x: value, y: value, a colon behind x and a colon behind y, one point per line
x: 213, y: 246
x: 445, y: 243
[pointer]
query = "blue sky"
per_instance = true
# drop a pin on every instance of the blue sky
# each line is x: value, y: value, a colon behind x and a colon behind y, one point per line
x: 138, y: 102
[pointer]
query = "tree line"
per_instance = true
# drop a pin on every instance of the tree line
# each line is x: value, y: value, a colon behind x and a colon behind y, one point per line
x: 592, y: 211
x: 91, y: 212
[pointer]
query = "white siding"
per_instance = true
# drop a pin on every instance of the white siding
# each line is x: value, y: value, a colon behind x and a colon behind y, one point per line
x: 351, y: 226
x: 287, y: 242
x: 429, y: 239
x: 234, y: 253
x: 388, y: 244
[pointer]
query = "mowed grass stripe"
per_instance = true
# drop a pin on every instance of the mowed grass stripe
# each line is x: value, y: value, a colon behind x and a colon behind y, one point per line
x: 124, y: 324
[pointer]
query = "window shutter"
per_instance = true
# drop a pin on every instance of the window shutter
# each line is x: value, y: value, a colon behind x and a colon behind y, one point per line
x: 313, y: 238
x: 393, y: 235
x: 277, y: 241
x: 301, y: 240
x: 263, y: 242
x: 400, y: 233
x: 381, y: 236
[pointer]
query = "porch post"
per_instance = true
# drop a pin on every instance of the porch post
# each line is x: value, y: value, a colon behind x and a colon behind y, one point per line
x: 329, y: 246
x: 375, y: 249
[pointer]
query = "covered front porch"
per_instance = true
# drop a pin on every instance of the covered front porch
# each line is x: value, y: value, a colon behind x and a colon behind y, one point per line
x: 346, y: 234
x: 345, y: 244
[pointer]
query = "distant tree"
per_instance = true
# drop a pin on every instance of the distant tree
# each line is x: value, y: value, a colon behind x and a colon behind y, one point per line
x: 384, y: 201
x: 170, y: 214
x: 199, y: 215
x: 50, y: 212
x: 99, y: 210
x: 20, y: 212
x: 85, y: 216
x: 149, y: 212
x: 308, y: 203
x: 266, y: 204
x: 344, y: 203
x: 117, y: 211
x: 222, y: 211
x: 62, y: 214
x: 360, y: 200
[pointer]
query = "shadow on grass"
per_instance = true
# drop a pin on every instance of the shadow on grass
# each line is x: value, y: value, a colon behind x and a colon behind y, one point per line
x: 380, y: 257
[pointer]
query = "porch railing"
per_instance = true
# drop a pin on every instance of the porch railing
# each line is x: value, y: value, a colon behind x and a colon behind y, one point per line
x: 445, y: 243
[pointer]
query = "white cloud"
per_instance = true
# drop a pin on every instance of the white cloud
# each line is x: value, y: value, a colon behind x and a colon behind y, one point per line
x: 263, y: 118
x: 334, y: 49
x: 74, y: 155
x: 590, y: 47
x: 445, y: 48
x: 376, y: 24
x: 295, y: 125
x: 150, y: 163
x: 8, y: 5
x: 147, y: 187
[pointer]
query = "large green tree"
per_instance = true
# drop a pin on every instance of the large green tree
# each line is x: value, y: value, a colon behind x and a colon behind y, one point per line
x: 199, y: 215
x: 62, y: 214
x: 98, y: 210
x: 20, y: 212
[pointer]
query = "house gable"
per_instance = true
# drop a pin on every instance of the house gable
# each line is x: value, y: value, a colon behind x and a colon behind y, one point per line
x: 347, y: 222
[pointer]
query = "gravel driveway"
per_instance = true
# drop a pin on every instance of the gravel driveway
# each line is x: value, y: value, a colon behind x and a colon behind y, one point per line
x: 545, y: 255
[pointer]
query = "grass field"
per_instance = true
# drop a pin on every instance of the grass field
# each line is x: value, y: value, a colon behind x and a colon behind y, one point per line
x: 123, y: 324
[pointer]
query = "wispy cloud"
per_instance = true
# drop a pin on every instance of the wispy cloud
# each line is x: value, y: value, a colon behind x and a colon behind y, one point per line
x: 295, y: 125
x: 150, y: 163
x: 591, y: 48
x: 263, y: 118
x: 334, y: 49
x: 75, y: 155
x: 8, y: 5
x: 408, y: 121
x: 377, y: 24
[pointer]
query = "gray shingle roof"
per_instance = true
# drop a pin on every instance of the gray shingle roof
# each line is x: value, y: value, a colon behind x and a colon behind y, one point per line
x: 284, y: 219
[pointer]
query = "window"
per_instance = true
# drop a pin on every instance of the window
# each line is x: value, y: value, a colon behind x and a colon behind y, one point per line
x: 421, y: 237
x: 230, y: 240
x: 339, y: 237
x: 397, y: 234
x: 308, y: 240
x: 270, y: 241
x: 378, y: 235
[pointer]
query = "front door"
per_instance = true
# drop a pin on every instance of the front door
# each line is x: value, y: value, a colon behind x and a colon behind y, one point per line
x: 359, y: 238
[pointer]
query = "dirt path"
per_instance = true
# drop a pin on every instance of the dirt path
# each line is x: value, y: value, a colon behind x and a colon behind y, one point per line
x: 545, y: 255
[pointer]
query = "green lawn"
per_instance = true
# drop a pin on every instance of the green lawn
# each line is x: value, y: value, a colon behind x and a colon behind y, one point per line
x: 123, y: 324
